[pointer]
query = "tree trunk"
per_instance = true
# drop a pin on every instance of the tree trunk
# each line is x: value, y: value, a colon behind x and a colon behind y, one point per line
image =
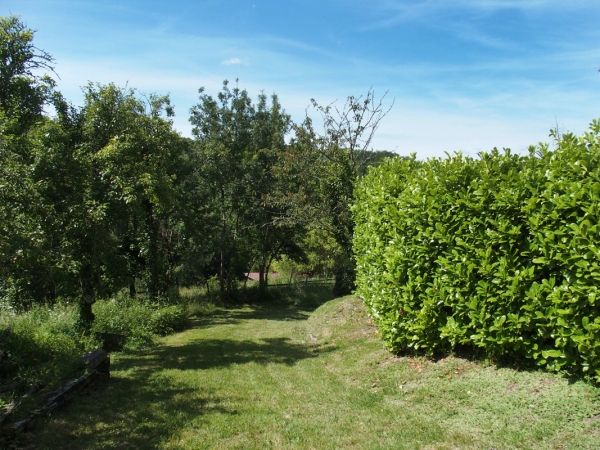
x: 152, y: 228
x: 222, y: 267
x: 262, y: 280
x: 168, y: 235
x: 132, y: 289
x: 88, y: 296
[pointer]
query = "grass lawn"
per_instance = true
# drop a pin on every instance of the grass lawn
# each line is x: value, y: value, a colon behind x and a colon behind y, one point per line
x: 281, y: 376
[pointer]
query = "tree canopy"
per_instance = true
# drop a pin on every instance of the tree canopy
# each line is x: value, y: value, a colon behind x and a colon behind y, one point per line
x: 109, y: 196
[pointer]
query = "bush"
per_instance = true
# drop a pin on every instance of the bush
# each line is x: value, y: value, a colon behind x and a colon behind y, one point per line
x: 344, y: 282
x: 138, y: 319
x: 42, y: 345
x: 499, y: 253
x: 45, y: 344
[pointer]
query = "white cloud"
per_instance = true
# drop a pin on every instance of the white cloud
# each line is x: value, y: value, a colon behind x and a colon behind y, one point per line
x: 231, y: 61
x: 468, y: 111
x: 507, y: 100
x: 392, y: 13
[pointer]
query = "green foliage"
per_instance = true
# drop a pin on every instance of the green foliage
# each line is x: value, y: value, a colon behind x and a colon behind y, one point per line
x: 23, y: 94
x: 332, y: 161
x: 198, y: 301
x: 45, y: 344
x: 241, y: 148
x: 498, y: 253
x: 345, y: 282
x: 134, y: 160
x: 42, y: 345
x: 23, y: 91
x: 324, y: 256
x: 91, y: 200
x: 107, y: 196
x: 140, y: 321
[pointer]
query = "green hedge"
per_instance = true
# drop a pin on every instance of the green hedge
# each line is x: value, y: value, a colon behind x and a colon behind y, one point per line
x: 501, y: 252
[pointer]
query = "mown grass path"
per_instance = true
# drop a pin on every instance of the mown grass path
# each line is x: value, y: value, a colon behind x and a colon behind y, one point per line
x: 277, y: 376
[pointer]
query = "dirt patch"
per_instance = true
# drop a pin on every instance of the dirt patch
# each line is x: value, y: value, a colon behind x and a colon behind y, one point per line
x: 593, y: 419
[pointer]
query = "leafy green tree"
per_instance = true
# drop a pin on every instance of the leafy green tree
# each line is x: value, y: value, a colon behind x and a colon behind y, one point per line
x: 274, y: 230
x: 242, y: 149
x: 331, y: 163
x: 134, y: 158
x: 323, y: 256
x: 89, y: 198
x: 23, y: 92
x: 96, y: 198
x: 108, y: 195
x: 223, y: 132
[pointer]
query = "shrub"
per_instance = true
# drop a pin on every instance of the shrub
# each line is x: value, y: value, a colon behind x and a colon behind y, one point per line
x: 138, y: 319
x: 42, y: 345
x: 499, y: 253
x: 344, y: 282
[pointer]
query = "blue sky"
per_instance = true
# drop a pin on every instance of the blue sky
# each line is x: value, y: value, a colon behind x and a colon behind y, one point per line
x: 466, y: 75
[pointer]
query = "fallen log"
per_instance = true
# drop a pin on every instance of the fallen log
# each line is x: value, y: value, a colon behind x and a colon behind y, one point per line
x: 97, y: 360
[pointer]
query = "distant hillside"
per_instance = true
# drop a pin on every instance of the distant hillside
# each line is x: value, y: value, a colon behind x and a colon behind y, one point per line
x: 373, y: 158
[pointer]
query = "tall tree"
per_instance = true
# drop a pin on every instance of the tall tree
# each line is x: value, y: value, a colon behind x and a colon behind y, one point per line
x: 23, y: 91
x: 134, y: 156
x: 223, y: 132
x: 241, y: 146
x: 275, y: 233
x: 23, y: 94
x: 333, y: 160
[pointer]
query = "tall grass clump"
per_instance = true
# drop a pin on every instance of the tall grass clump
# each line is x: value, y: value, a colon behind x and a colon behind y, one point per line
x: 500, y: 253
x: 199, y: 300
x: 42, y: 345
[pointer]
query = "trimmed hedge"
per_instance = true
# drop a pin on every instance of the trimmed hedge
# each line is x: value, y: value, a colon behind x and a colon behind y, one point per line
x: 500, y: 253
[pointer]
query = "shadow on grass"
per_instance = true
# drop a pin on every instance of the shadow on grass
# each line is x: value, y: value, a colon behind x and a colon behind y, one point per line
x: 240, y: 313
x: 137, y: 412
x: 217, y: 353
x: 206, y: 353
x: 147, y: 406
x: 304, y: 296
